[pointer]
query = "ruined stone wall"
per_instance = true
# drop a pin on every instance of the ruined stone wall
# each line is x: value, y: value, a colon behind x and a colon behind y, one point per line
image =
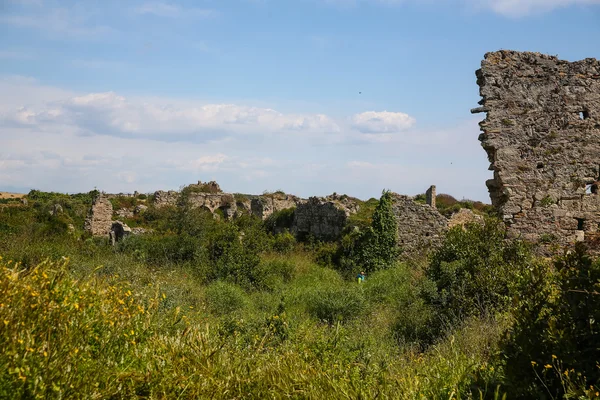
x: 420, y: 226
x: 99, y: 219
x: 542, y: 137
x: 265, y: 205
x: 321, y: 218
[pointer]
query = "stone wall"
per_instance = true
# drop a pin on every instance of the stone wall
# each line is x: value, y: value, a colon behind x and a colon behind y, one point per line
x: 542, y: 137
x: 265, y: 205
x: 321, y: 217
x: 99, y: 219
x: 420, y: 226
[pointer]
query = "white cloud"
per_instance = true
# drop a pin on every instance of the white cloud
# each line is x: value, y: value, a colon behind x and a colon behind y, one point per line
x: 382, y: 122
x: 168, y: 10
x: 53, y: 139
x: 111, y: 114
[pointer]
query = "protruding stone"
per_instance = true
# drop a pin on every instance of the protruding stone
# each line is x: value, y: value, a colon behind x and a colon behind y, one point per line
x: 430, y: 196
x: 99, y: 220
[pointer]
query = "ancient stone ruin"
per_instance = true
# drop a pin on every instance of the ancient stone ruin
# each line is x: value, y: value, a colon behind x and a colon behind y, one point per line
x: 323, y: 217
x: 99, y: 219
x: 542, y: 137
x: 420, y: 226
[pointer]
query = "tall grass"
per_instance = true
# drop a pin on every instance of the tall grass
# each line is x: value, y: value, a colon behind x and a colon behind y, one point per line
x: 101, y: 337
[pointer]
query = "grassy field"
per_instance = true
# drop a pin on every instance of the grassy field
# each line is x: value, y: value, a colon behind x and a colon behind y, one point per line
x: 193, y: 311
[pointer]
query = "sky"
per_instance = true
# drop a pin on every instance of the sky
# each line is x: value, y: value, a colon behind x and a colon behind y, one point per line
x: 307, y: 96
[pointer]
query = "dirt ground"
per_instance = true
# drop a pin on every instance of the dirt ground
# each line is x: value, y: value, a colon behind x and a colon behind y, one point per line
x: 8, y: 195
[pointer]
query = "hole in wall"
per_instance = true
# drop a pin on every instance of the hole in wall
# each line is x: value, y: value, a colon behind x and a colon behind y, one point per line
x: 540, y: 165
x: 580, y: 222
x: 583, y: 115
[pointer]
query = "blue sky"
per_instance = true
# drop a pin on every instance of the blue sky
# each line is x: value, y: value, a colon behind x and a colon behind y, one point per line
x: 308, y: 96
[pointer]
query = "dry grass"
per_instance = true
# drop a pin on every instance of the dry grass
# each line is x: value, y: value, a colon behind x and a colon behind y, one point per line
x: 8, y: 195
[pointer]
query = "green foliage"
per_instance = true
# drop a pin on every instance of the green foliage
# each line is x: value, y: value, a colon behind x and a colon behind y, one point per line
x: 547, y: 201
x: 377, y: 247
x: 475, y: 270
x: 160, y: 250
x: 448, y: 205
x: 280, y: 220
x: 404, y: 288
x: 284, y: 242
x: 119, y: 202
x: 234, y: 258
x: 332, y: 303
x: 363, y: 218
x: 556, y: 327
x: 271, y: 275
x: 225, y: 298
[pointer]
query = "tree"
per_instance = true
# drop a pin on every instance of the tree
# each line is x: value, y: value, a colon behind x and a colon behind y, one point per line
x: 378, y: 245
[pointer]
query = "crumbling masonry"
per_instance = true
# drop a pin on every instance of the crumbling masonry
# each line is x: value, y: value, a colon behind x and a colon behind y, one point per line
x: 542, y: 137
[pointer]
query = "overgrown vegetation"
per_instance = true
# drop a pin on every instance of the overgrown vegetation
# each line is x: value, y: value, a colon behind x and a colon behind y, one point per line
x: 204, y: 308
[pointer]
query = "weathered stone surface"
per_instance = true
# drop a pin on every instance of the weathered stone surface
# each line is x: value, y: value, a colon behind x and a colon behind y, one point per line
x: 542, y: 137
x: 430, y: 196
x: 265, y: 205
x: 320, y: 217
x: 140, y: 209
x: 99, y: 219
x: 118, y: 232
x: 420, y: 226
x: 464, y: 217
x: 163, y: 198
x: 124, y: 213
x: 225, y: 202
x: 56, y: 209
x: 208, y: 187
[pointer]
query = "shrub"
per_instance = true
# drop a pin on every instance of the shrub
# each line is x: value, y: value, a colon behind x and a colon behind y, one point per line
x: 377, y: 247
x: 284, y: 242
x: 163, y: 249
x: 272, y: 274
x: 556, y: 327
x: 225, y: 298
x: 475, y: 269
x: 60, y: 337
x: 280, y: 220
x: 335, y: 303
x: 404, y: 289
x: 234, y: 256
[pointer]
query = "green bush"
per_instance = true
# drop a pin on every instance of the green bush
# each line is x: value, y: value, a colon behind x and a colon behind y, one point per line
x: 284, y: 242
x: 163, y: 249
x: 377, y: 247
x: 234, y: 256
x: 556, y: 329
x: 280, y: 220
x: 475, y: 270
x: 333, y: 303
x: 273, y: 274
x: 225, y: 298
x: 405, y: 290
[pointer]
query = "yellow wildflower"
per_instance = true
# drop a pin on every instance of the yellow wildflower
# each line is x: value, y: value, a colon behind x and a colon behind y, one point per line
x: 547, y: 366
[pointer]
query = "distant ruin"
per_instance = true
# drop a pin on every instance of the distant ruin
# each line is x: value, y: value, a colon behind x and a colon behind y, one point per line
x: 420, y: 226
x: 542, y: 137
